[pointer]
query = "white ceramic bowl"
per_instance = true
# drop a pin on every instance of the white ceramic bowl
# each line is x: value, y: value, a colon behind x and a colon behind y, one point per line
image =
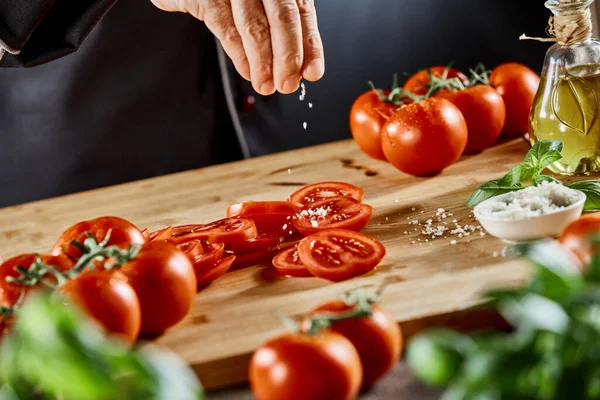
x: 527, y: 229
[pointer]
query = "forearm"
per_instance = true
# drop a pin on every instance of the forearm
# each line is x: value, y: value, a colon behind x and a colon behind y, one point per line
x: 33, y: 32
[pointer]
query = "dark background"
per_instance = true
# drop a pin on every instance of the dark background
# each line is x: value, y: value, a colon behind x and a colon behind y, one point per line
x: 373, y: 39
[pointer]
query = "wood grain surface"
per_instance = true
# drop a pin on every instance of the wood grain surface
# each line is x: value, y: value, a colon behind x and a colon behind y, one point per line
x: 237, y: 313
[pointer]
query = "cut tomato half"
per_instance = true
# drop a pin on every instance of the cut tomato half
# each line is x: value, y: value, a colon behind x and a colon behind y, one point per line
x: 326, y: 190
x: 228, y: 231
x: 213, y: 253
x: 252, y: 208
x: 162, y: 234
x: 339, y: 254
x: 288, y: 263
x: 192, y: 249
x: 216, y: 272
x: 334, y: 213
x: 261, y: 243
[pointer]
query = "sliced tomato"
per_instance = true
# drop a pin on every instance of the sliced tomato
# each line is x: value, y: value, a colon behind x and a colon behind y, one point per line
x: 213, y: 253
x: 217, y: 271
x: 162, y: 234
x: 250, y: 259
x: 339, y: 254
x: 337, y: 212
x: 275, y: 225
x: 288, y: 263
x: 192, y: 249
x: 146, y: 234
x: 261, y: 243
x: 227, y: 231
x: 252, y: 208
x: 326, y: 190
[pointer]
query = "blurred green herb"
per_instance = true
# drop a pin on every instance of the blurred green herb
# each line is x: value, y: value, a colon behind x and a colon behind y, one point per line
x: 552, y: 353
x: 540, y: 156
x: 54, y: 352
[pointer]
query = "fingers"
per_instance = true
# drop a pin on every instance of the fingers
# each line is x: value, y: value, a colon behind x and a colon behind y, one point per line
x: 313, y: 67
x: 219, y: 19
x: 253, y: 26
x: 286, y: 40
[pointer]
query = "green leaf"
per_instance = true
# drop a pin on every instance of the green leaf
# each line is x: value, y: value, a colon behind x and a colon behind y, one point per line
x: 545, y: 178
x: 591, y: 189
x: 544, y: 153
x: 536, y: 311
x: 489, y: 190
x: 517, y: 174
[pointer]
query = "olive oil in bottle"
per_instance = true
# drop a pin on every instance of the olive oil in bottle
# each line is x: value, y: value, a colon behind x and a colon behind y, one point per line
x: 567, y: 108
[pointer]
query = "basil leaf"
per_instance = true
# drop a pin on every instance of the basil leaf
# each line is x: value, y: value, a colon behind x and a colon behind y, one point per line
x: 489, y: 190
x: 544, y: 153
x: 592, y: 193
x: 544, y: 178
x: 518, y: 174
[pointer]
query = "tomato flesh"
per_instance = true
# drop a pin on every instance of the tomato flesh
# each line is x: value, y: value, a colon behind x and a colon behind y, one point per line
x: 161, y: 235
x: 339, y: 254
x: 252, y: 208
x: 192, y: 249
x: 217, y: 271
x: 227, y: 231
x: 261, y: 243
x: 326, y: 190
x: 249, y: 259
x: 336, y: 212
x: 288, y: 263
x: 213, y: 253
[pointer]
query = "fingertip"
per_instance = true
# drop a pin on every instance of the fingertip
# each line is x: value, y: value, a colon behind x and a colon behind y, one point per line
x: 265, y: 88
x: 314, y: 71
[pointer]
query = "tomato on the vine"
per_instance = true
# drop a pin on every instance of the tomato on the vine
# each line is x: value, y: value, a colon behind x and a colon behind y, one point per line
x: 367, y: 116
x: 377, y: 338
x: 109, y: 300
x: 326, y: 190
x: 484, y: 112
x: 517, y: 84
x: 338, y: 254
x: 302, y: 367
x: 425, y: 137
x: 163, y: 279
x: 418, y: 82
x: 122, y: 234
x: 336, y: 212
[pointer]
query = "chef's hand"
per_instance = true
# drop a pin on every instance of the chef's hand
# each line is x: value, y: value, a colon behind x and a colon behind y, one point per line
x: 273, y: 43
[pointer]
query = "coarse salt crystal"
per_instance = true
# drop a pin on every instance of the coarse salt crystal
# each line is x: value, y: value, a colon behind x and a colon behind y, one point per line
x: 304, y: 125
x: 453, y: 242
x: 314, y: 223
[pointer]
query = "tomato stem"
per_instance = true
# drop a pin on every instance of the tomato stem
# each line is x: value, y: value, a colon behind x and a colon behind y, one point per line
x: 92, y: 250
x: 362, y: 309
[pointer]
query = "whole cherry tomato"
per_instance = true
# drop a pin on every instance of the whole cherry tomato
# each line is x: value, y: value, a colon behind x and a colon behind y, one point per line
x: 485, y: 114
x: 517, y: 84
x: 109, y: 300
x: 367, y: 116
x: 324, y: 366
x: 425, y: 137
x: 417, y: 83
x: 378, y: 338
x: 163, y: 279
x: 578, y: 234
x: 122, y: 234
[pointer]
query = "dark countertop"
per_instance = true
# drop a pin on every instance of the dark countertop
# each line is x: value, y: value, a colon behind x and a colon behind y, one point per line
x: 398, y: 385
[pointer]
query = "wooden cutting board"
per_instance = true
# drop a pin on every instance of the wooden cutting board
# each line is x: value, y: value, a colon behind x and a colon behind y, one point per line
x: 237, y: 313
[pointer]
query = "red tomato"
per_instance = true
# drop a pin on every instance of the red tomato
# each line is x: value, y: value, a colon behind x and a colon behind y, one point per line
x: 484, y: 112
x: 300, y: 367
x: 337, y: 212
x: 162, y: 234
x: 193, y: 249
x: 339, y: 254
x: 228, y: 231
x: 326, y: 190
x: 517, y: 84
x: 425, y: 137
x: 417, y: 83
x: 288, y: 263
x: 578, y: 234
x: 213, y: 253
x: 109, y: 300
x: 122, y: 234
x: 146, y: 234
x: 249, y: 259
x: 378, y: 338
x: 217, y: 271
x: 367, y: 116
x: 252, y: 208
x: 9, y: 291
x: 275, y: 225
x: 262, y: 243
x: 163, y: 279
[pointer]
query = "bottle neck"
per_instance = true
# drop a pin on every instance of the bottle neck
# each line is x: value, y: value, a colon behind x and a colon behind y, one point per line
x: 572, y: 20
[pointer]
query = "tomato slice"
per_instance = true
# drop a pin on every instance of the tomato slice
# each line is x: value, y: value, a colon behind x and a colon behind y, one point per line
x: 288, y: 263
x: 213, y: 253
x: 228, y: 231
x: 338, y: 254
x: 192, y: 249
x: 146, y: 234
x: 261, y: 243
x: 275, y: 225
x: 252, y: 208
x: 337, y: 212
x: 250, y: 259
x: 326, y: 190
x: 162, y: 234
x: 216, y: 272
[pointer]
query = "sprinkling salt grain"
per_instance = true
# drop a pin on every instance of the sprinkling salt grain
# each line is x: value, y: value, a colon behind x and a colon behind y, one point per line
x: 481, y: 233
x: 386, y: 218
x: 495, y: 254
x: 453, y: 242
x: 396, y: 201
x: 289, y: 171
x: 314, y: 223
x: 310, y: 105
x: 422, y: 212
x: 414, y: 208
x: 302, y: 92
x: 546, y: 198
x: 304, y: 125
